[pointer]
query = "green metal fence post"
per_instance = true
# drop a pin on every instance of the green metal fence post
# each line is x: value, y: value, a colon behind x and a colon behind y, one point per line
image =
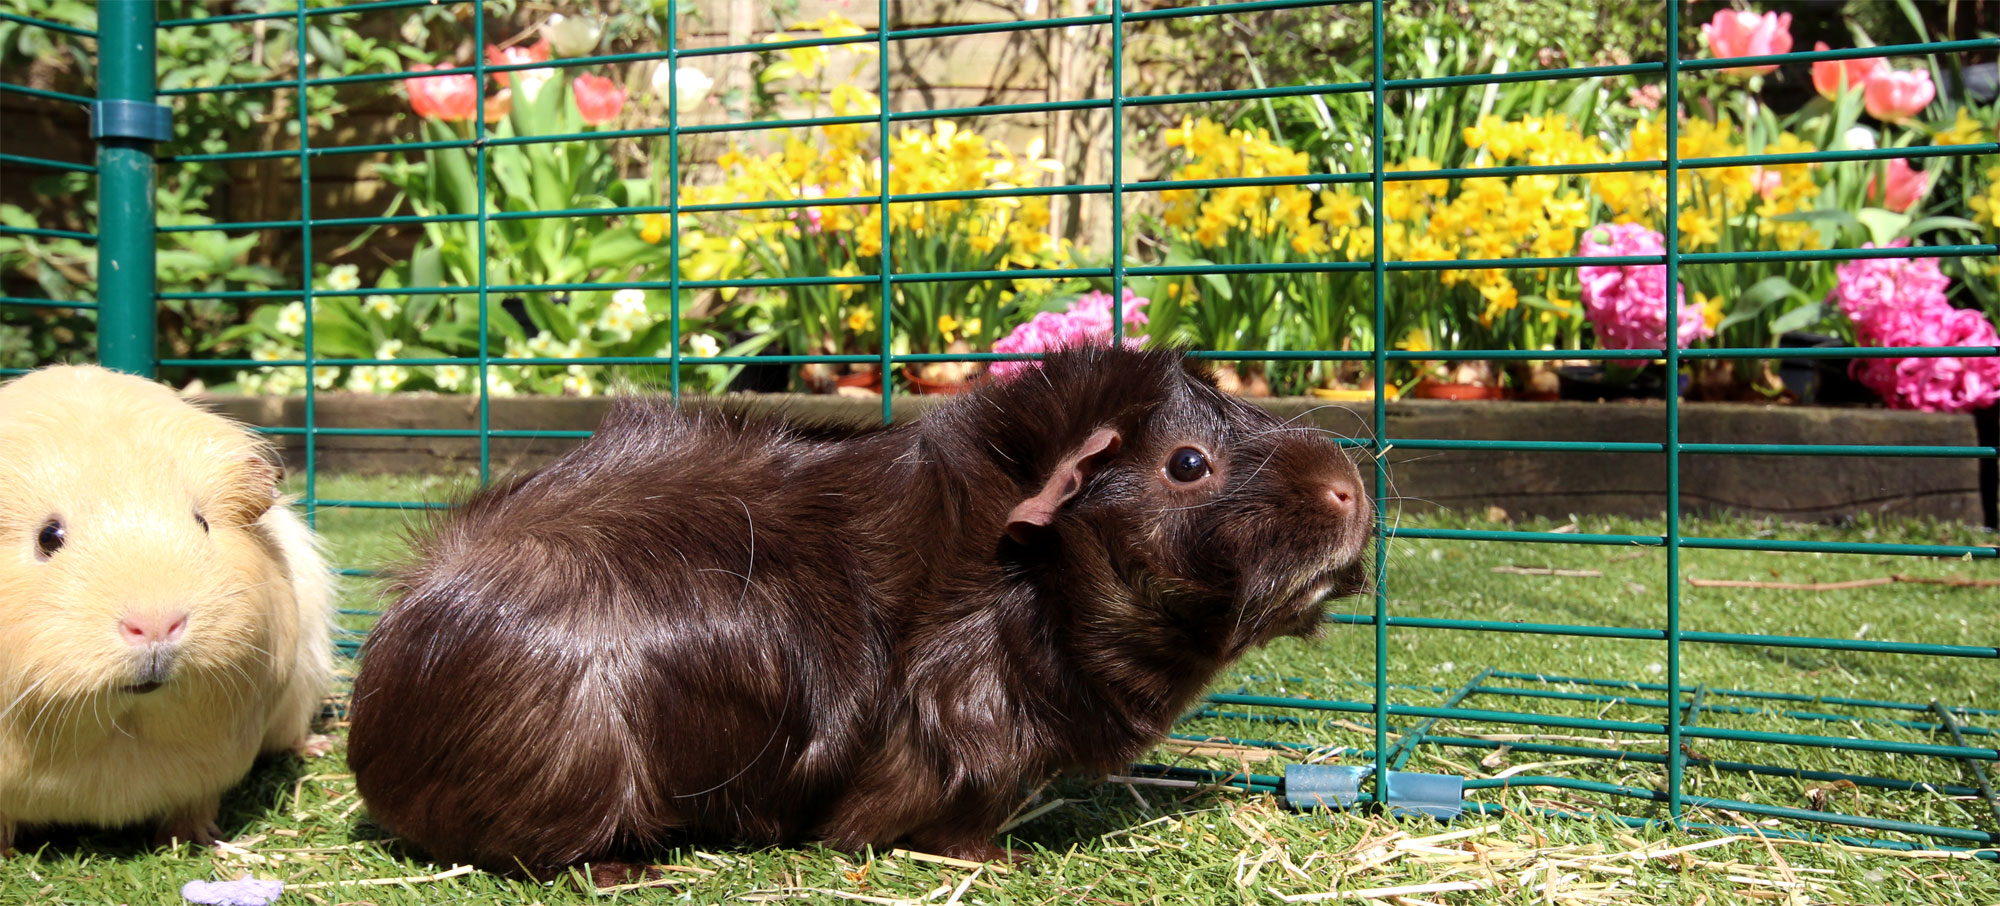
x: 126, y: 123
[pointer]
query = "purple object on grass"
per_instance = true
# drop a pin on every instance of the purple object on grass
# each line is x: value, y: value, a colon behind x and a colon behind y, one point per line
x: 247, y: 892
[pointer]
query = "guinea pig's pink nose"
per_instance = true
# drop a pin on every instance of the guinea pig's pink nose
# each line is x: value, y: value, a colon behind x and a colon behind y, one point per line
x: 145, y: 630
x: 1344, y: 495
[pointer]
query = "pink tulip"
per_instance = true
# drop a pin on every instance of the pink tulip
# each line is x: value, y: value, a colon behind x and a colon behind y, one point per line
x: 446, y: 97
x: 597, y: 98
x: 1907, y: 184
x: 1827, y: 74
x: 1894, y: 95
x: 1767, y: 182
x: 1746, y: 34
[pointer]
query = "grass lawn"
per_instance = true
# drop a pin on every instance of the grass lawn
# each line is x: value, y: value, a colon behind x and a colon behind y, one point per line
x: 1142, y: 840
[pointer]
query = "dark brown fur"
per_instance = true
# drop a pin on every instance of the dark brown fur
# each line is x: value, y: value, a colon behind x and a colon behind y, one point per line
x: 696, y: 626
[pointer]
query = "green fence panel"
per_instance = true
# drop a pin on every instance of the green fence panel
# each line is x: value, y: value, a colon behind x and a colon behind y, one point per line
x: 1670, y: 709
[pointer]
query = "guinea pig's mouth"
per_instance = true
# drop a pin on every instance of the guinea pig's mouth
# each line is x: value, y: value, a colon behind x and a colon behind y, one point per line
x: 155, y: 667
x: 1309, y: 605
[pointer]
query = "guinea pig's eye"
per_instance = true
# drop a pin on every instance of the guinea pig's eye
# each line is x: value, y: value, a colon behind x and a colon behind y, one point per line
x: 198, y: 520
x: 1186, y: 465
x: 50, y: 539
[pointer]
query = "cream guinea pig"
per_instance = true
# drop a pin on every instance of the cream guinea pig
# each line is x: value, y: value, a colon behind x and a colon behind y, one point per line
x: 164, y: 618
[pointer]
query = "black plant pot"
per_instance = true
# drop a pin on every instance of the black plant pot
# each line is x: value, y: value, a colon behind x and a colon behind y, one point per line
x: 1595, y: 381
x: 1828, y: 381
x: 772, y: 378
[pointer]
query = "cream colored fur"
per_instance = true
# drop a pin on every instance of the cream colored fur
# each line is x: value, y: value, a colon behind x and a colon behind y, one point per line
x: 125, y: 466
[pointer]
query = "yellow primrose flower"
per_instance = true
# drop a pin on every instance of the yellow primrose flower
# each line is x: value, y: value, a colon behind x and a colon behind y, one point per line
x: 947, y: 327
x: 860, y: 319
x: 292, y: 319
x: 343, y: 277
x: 1415, y: 341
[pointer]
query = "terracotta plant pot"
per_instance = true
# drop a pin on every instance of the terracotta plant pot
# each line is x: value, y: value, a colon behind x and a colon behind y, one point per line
x: 930, y: 388
x: 870, y: 381
x: 1428, y: 389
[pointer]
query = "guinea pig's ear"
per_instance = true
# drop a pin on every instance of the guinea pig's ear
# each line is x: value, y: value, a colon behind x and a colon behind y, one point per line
x: 1062, y: 484
x: 252, y: 488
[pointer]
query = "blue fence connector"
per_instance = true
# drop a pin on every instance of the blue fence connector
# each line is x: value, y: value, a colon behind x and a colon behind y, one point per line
x: 1311, y: 786
x: 131, y: 119
x: 1440, y: 796
x: 1315, y: 786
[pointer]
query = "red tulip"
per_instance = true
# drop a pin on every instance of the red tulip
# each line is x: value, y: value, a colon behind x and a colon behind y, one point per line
x: 507, y: 56
x: 499, y: 104
x: 597, y: 98
x: 1827, y: 74
x: 1894, y: 95
x: 1907, y: 184
x: 531, y: 80
x: 1746, y: 34
x: 446, y: 97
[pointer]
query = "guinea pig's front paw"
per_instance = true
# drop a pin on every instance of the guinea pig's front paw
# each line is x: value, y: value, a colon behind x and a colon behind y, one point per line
x: 194, y: 824
x: 971, y: 851
x: 313, y: 745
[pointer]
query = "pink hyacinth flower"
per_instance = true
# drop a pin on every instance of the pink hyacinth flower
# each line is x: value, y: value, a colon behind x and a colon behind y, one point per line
x: 1901, y: 302
x: 1086, y: 322
x: 1627, y: 303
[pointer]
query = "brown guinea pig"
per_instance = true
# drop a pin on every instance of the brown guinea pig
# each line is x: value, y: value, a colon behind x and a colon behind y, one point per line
x: 695, y: 626
x: 162, y: 622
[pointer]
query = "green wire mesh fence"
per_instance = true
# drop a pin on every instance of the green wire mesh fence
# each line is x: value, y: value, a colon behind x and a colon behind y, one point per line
x: 1269, y: 712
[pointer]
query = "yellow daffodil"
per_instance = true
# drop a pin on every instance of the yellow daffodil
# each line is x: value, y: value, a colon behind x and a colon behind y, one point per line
x: 1964, y: 131
x: 653, y: 227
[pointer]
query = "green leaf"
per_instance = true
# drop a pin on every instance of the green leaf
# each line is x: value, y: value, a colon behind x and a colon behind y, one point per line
x: 1941, y: 223
x: 620, y: 247
x: 328, y: 50
x: 454, y: 170
x: 427, y: 267
x: 1799, y: 318
x: 510, y: 168
x: 556, y: 319
x: 1883, y: 225
x: 651, y: 340
x: 1768, y: 290
x: 337, y: 335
